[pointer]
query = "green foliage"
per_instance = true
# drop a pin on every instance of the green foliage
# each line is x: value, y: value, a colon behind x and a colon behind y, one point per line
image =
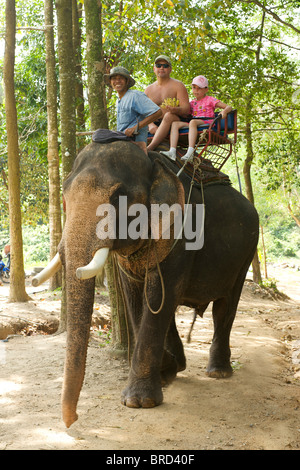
x: 269, y: 284
x: 105, y: 336
x: 4, y: 238
x: 36, y: 245
x: 281, y: 234
x: 30, y: 92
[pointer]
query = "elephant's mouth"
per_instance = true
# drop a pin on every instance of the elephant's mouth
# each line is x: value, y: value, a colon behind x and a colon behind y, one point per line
x: 84, y: 272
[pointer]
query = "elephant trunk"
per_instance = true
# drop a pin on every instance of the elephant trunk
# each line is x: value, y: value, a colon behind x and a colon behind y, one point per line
x: 80, y: 299
x: 80, y: 288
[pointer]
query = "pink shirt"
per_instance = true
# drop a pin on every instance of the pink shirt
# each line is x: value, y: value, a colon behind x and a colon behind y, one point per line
x: 204, y: 107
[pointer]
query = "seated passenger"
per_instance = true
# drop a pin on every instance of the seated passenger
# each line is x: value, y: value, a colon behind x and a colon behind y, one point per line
x: 134, y: 109
x: 201, y: 107
x: 166, y: 88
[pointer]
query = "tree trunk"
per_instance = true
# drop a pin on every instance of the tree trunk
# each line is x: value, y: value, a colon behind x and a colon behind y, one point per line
x: 264, y: 251
x: 67, y: 105
x: 121, y: 333
x: 296, y: 219
x: 79, y: 97
x: 248, y: 184
x: 52, y: 155
x: 67, y: 84
x: 17, y: 291
x: 95, y: 64
x: 97, y: 104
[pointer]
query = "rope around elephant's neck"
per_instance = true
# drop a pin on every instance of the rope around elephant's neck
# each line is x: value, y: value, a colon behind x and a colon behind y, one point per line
x: 145, y: 279
x: 163, y: 293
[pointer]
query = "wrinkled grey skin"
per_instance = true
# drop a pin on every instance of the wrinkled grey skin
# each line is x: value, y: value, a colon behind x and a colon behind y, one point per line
x: 216, y: 273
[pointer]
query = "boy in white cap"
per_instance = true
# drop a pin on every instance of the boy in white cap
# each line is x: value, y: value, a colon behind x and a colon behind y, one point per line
x: 201, y: 107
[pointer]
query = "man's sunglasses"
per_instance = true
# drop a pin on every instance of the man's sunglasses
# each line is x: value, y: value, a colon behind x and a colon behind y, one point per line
x: 164, y: 66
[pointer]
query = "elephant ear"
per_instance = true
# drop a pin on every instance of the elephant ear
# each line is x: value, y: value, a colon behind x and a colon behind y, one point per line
x: 167, y: 199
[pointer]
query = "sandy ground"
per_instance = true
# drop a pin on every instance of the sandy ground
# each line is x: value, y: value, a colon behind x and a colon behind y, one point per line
x: 258, y: 408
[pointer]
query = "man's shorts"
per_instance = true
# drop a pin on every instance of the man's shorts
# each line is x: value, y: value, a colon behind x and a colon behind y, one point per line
x: 142, y: 135
x: 183, y: 119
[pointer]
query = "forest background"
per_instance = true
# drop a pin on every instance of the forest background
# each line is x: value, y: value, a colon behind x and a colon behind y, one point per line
x: 248, y: 50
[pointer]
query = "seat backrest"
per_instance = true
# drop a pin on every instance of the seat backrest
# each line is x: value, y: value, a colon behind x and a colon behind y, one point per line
x: 231, y: 121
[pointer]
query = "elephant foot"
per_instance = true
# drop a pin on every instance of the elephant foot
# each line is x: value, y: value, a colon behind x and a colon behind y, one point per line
x: 219, y: 372
x: 181, y: 366
x: 219, y: 366
x: 170, y: 367
x: 142, y: 394
x: 134, y: 402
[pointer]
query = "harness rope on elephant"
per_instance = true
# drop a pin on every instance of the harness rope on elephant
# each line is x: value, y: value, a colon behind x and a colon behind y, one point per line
x: 196, y: 165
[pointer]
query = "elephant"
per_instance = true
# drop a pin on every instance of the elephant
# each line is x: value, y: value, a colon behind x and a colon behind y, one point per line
x: 157, y: 273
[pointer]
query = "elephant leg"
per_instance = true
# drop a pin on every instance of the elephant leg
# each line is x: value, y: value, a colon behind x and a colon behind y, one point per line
x: 219, y: 355
x: 145, y: 382
x: 174, y: 358
x: 224, y: 311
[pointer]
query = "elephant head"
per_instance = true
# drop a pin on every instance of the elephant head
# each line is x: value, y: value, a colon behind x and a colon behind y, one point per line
x: 102, y: 173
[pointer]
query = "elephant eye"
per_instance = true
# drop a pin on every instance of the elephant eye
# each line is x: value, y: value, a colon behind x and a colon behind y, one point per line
x: 114, y: 198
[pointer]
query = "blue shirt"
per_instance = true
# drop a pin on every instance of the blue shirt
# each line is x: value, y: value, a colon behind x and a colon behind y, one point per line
x: 133, y: 106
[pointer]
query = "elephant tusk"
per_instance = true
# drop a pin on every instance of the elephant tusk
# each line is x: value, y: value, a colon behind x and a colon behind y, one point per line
x: 49, y: 271
x: 95, y: 266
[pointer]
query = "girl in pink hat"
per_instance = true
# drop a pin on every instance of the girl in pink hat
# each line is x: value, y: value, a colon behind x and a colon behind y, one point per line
x: 201, y: 107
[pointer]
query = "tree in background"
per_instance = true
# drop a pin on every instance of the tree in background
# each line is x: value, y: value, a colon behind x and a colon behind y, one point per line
x: 67, y: 106
x: 55, y: 226
x: 77, y: 39
x: 98, y: 117
x: 95, y: 66
x: 17, y: 286
x: 67, y: 84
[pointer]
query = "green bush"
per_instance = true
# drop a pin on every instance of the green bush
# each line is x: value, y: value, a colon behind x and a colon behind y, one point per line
x: 36, y: 243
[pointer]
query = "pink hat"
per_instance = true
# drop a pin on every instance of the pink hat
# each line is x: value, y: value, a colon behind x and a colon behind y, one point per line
x: 200, y: 81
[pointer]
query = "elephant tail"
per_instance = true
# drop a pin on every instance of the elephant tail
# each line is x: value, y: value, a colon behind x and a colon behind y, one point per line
x: 199, y: 310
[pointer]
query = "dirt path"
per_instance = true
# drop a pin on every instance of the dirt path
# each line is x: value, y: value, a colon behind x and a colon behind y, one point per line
x: 258, y: 408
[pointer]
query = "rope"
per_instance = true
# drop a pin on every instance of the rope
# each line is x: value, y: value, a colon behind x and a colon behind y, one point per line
x: 136, y: 279
x: 117, y: 280
x: 145, y: 279
x: 155, y: 312
x: 201, y: 137
x: 237, y: 169
x: 196, y: 164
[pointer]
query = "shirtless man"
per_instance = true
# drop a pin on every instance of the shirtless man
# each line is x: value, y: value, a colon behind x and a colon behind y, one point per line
x: 166, y: 87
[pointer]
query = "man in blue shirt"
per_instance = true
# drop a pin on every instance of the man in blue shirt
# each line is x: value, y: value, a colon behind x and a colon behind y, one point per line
x: 134, y: 109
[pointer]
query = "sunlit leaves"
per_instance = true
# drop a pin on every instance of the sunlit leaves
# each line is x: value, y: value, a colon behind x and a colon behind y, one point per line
x: 146, y: 27
x: 30, y: 92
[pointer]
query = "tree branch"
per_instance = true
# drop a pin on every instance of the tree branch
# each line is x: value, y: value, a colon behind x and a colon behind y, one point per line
x: 32, y: 28
x: 271, y: 13
x: 281, y: 43
x: 4, y: 178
